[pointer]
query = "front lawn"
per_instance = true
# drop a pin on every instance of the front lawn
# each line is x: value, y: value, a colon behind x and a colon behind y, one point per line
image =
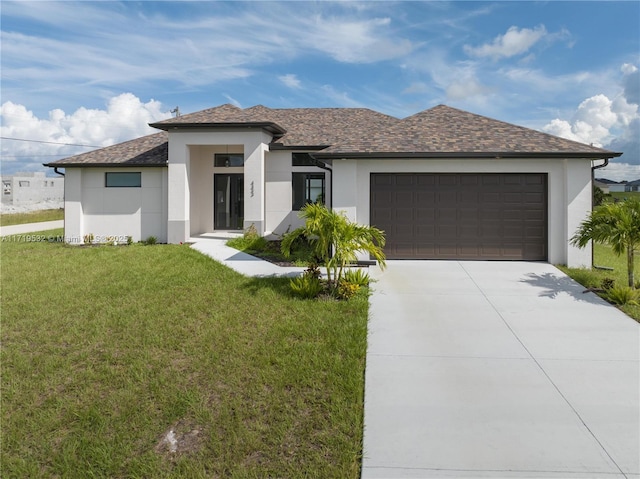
x: 31, y: 217
x: 156, y: 361
x: 617, y: 270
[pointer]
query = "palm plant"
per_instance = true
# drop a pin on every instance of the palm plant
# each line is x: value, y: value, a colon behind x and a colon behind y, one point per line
x: 615, y: 224
x: 336, y: 240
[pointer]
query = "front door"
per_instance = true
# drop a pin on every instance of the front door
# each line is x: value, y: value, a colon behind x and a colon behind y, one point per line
x: 228, y: 208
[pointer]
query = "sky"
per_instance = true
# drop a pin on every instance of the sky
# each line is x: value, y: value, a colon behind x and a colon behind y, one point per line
x: 81, y: 75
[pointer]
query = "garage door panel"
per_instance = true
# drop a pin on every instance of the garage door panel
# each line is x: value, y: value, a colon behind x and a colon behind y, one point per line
x: 447, y: 232
x: 402, y: 231
x: 425, y: 232
x: 447, y: 251
x: 513, y: 197
x: 470, y: 216
x: 425, y: 197
x: 446, y: 197
x: 489, y: 197
x: 469, y: 232
x: 425, y: 215
x: 404, y: 215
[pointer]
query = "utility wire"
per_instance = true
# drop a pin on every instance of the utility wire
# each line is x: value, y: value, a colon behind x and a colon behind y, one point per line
x: 49, y: 142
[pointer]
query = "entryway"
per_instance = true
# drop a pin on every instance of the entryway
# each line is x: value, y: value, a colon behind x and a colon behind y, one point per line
x: 228, y: 200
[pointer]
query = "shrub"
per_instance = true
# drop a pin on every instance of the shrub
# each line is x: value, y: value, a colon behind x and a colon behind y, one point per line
x: 151, y: 240
x: 356, y: 276
x: 249, y: 241
x: 347, y: 290
x: 88, y: 238
x: 306, y: 286
x: 607, y: 283
x: 623, y: 295
x: 336, y: 240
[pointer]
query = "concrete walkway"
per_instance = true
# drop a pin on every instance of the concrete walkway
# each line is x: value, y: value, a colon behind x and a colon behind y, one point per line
x: 496, y: 370
x: 30, y: 227
x: 214, y: 246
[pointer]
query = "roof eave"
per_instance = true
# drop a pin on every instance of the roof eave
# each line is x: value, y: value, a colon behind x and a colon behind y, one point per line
x: 280, y: 146
x: 104, y: 165
x: 268, y: 126
x: 470, y: 155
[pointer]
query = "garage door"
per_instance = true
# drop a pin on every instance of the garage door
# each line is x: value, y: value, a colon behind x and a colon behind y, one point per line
x: 461, y: 216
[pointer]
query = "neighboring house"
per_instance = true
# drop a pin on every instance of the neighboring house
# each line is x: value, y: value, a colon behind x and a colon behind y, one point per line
x: 443, y: 183
x: 618, y: 187
x: 604, y: 186
x: 30, y: 188
x: 632, y: 186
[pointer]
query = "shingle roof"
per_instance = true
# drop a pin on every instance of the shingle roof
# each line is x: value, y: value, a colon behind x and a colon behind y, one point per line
x: 441, y: 131
x: 151, y: 150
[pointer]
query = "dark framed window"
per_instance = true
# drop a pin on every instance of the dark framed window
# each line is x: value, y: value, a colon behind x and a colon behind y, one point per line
x: 129, y: 179
x: 228, y: 159
x: 307, y: 188
x: 302, y: 159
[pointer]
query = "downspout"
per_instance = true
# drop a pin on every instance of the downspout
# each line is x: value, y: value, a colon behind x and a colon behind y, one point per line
x: 593, y: 179
x: 55, y: 170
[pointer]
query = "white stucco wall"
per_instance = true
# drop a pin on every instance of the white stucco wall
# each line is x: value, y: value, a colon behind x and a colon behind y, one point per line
x: 569, y: 192
x: 278, y: 192
x: 92, y: 208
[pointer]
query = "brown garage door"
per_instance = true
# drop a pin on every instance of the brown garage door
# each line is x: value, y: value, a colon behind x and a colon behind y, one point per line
x: 461, y: 216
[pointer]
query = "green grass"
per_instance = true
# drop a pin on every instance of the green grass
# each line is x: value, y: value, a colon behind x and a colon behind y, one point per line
x: 107, y: 348
x: 31, y: 217
x: 592, y: 278
x: 301, y: 253
x: 622, y: 195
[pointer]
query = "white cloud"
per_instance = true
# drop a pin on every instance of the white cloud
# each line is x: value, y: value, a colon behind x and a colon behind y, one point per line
x: 514, y: 42
x: 466, y: 88
x: 124, y: 118
x: 290, y: 80
x: 232, y: 100
x: 354, y: 41
x: 612, y: 124
x: 594, y: 120
x: 127, y: 49
x: 416, y: 87
x: 619, y: 172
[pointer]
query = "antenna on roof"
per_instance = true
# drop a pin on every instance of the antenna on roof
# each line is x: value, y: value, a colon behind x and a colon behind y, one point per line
x: 176, y: 110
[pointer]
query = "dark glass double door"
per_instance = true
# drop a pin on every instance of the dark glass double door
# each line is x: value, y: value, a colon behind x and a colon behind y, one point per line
x: 228, y: 197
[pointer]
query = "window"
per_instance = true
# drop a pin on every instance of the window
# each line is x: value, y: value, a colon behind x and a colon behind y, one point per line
x: 24, y: 183
x: 302, y: 159
x: 123, y: 180
x: 307, y: 188
x: 228, y: 159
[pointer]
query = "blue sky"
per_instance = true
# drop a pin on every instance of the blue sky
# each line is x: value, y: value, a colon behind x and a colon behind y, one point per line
x: 95, y: 73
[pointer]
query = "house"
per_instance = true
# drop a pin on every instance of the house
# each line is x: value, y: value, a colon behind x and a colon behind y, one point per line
x: 603, y: 185
x: 632, y: 186
x: 442, y: 184
x: 30, y: 188
x: 618, y: 187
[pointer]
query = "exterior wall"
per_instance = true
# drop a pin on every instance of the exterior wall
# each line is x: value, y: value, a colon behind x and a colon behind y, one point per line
x: 31, y: 188
x: 569, y: 192
x: 278, y: 192
x: 92, y: 208
x: 617, y: 188
x: 183, y: 156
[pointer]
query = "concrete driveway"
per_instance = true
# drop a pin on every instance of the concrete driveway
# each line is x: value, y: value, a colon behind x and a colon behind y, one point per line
x: 498, y: 369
